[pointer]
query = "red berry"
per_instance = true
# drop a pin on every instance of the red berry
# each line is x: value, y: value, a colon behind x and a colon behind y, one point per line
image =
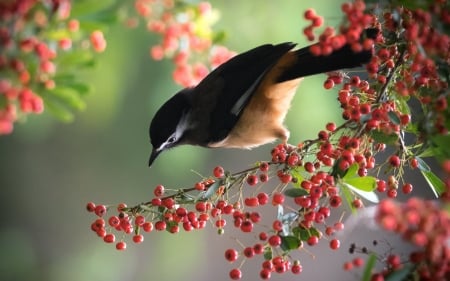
x: 414, y: 163
x: 249, y: 252
x: 100, y: 210
x: 312, y: 240
x: 251, y: 201
x: 90, y: 207
x: 158, y: 191
x: 335, y: 244
x: 277, y: 199
x: 114, y: 221
x: 392, y: 193
x: 339, y: 225
x: 293, y: 159
x: 160, y: 225
x: 231, y: 255
x: 275, y: 240
x: 147, y: 226
x: 264, y: 167
x: 235, y: 274
x: 264, y: 177
x: 310, y: 14
x: 358, y: 262
x: 252, y: 180
x: 348, y: 266
x: 331, y: 127
x: 328, y: 84
x: 297, y: 268
x: 200, y: 186
x: 247, y: 226
x: 263, y: 236
x: 138, y: 238
x: 139, y: 220
x: 263, y: 198
x: 357, y: 203
x: 218, y: 172
x: 109, y: 238
x: 265, y: 274
x: 394, y: 160
x: 335, y: 201
x: 258, y: 248
x: 407, y: 188
x: 121, y: 246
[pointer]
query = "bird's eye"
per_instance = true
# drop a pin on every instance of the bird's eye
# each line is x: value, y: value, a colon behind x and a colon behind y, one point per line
x: 171, y: 140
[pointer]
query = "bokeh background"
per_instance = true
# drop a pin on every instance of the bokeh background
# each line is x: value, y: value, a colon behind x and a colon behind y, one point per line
x: 50, y: 170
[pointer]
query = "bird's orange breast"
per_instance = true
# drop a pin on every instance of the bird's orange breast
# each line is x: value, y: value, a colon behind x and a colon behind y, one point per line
x: 262, y: 119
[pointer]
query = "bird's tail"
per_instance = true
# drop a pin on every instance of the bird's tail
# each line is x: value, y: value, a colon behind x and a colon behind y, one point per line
x: 309, y: 64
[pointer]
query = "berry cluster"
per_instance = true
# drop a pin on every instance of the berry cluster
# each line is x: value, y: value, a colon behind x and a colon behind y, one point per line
x: 40, y: 45
x: 425, y: 225
x: 186, y: 36
x: 305, y: 184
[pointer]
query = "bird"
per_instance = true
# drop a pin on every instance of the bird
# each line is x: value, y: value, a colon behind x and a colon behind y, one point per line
x: 243, y: 102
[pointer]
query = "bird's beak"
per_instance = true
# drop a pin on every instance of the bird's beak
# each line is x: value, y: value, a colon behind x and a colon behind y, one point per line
x: 155, y: 153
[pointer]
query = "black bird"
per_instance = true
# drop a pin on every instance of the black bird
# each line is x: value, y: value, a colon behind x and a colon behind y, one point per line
x: 243, y: 102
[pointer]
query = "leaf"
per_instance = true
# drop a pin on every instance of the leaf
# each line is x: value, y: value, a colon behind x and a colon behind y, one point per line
x: 289, y: 243
x: 287, y: 220
x: 402, y: 105
x: 296, y: 173
x: 59, y: 111
x: 267, y: 253
x: 400, y: 274
x: 85, y: 7
x: 68, y: 97
x: 368, y: 269
x: 436, y: 184
x: 368, y: 195
x: 423, y: 166
x: 351, y: 171
x: 211, y: 190
x: 381, y: 137
x: 301, y: 233
x: 367, y: 183
x: 77, y: 57
x: 295, y: 192
x: 394, y: 118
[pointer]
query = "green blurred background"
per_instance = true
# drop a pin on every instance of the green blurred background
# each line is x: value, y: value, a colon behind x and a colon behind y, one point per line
x: 50, y: 170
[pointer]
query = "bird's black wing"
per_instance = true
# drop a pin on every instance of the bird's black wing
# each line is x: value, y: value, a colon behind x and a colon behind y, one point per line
x: 230, y: 86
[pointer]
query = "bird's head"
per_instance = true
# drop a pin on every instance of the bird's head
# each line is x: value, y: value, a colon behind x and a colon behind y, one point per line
x: 168, y: 126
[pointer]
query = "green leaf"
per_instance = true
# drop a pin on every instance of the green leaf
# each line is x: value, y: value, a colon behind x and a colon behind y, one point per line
x: 289, y: 243
x: 301, y: 233
x: 394, y: 118
x: 366, y: 183
x: 368, y: 269
x: 295, y: 192
x: 423, y: 166
x: 436, y: 184
x: 400, y: 274
x: 428, y: 152
x: 85, y: 7
x: 211, y: 190
x: 296, y: 173
x: 58, y: 110
x: 77, y: 57
x: 368, y: 195
x: 219, y: 37
x: 402, y: 105
x: 267, y: 253
x: 351, y: 171
x: 381, y: 137
x: 68, y: 97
